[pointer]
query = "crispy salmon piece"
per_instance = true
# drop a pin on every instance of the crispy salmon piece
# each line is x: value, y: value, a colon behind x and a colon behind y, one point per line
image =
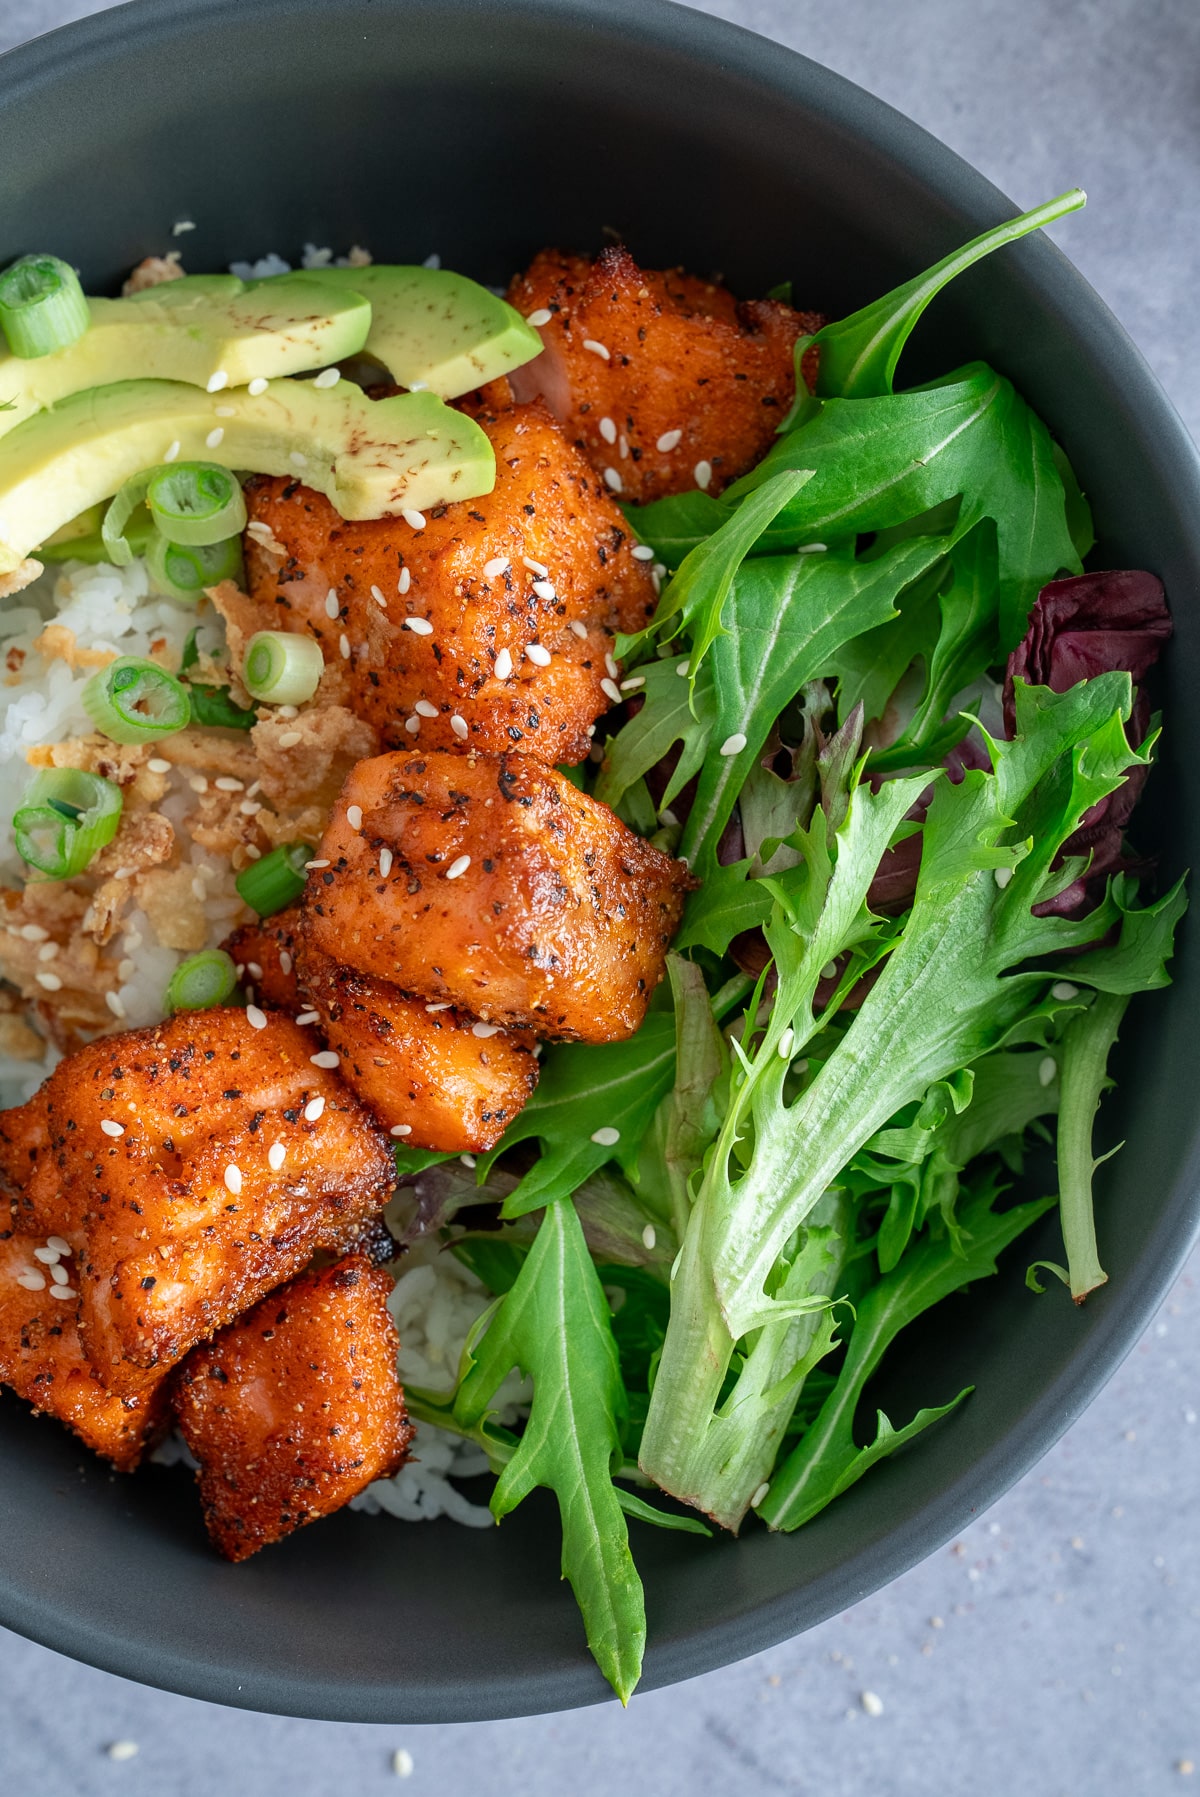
x: 206, y: 1160
x: 507, y: 891
x: 664, y: 382
x: 478, y: 605
x: 29, y: 1176
x: 295, y: 1408
x: 42, y: 1359
x: 436, y: 1077
x: 266, y: 951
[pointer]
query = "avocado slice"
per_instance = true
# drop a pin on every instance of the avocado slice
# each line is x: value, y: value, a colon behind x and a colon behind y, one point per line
x: 371, y: 458
x: 194, y: 329
x: 433, y: 328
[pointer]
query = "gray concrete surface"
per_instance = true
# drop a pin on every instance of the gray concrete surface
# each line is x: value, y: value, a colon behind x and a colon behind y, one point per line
x: 1054, y: 1648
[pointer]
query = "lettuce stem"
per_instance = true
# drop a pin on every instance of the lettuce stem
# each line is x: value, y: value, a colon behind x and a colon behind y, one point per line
x: 1086, y: 1045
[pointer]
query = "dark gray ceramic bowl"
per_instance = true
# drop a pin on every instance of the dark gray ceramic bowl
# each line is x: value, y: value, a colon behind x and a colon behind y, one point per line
x: 484, y: 130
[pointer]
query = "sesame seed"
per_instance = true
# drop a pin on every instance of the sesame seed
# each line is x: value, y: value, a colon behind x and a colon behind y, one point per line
x: 227, y: 783
x: 608, y: 430
x: 649, y: 1236
x: 419, y: 626
x: 216, y: 437
x: 225, y: 411
x: 542, y: 572
x: 733, y: 745
x: 297, y: 459
x: 611, y: 666
x: 1064, y: 990
x: 538, y: 655
x: 254, y: 853
x: 385, y: 863
x: 607, y: 1136
x: 217, y: 381
x: 50, y: 982
x: 1002, y: 876
x: 484, y: 1030
x: 325, y: 1058
x: 275, y: 1156
x: 48, y: 1256
x: 544, y: 589
x: 307, y: 1017
x: 785, y: 1043
x: 702, y: 474
x: 504, y: 665
x: 812, y: 549
x: 1047, y: 1071
x: 405, y: 581
x: 498, y: 565
x: 872, y: 1704
x: 33, y: 1282
x: 198, y: 783
x: 331, y: 603
x: 47, y: 951
x: 281, y: 711
x: 257, y: 385
x: 344, y: 646
x: 33, y: 932
x: 539, y: 316
x: 247, y: 808
x: 172, y: 452
x: 115, y: 1004
x: 458, y: 866
x: 285, y: 961
x: 444, y: 1006
x: 424, y: 709
x: 460, y: 727
x: 290, y: 738
x: 59, y: 1275
x: 613, y: 479
x: 313, y: 1109
x: 829, y: 971
x: 611, y: 690
x: 632, y: 684
x: 233, y: 1178
x: 122, y: 1750
x: 401, y: 1129
x: 157, y: 765
x: 578, y: 629
x: 328, y: 377
x: 63, y: 1291
x: 254, y: 970
x: 112, y: 1129
x: 597, y: 349
x: 59, y: 1244
x: 414, y: 520
x: 468, y: 1160
x: 642, y: 552
x: 412, y: 725
x: 759, y: 1495
x: 378, y: 597
x: 668, y: 441
x: 623, y: 447
x: 254, y: 1017
x: 354, y: 816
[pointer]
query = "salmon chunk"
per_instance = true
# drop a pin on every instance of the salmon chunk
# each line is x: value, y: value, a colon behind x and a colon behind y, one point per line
x: 201, y: 1162
x: 665, y: 383
x: 492, y: 883
x: 29, y: 1180
x: 486, y: 624
x: 435, y: 1076
x: 265, y: 951
x: 42, y: 1358
x: 296, y: 1408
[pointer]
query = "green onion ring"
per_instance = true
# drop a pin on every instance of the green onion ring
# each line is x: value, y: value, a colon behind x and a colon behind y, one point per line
x: 277, y: 880
x: 196, y: 503
x: 65, y: 817
x: 200, y: 982
x: 282, y: 667
x: 42, y: 306
x: 135, y: 701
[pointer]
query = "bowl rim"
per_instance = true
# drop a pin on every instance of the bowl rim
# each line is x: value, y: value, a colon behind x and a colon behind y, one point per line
x: 966, y: 195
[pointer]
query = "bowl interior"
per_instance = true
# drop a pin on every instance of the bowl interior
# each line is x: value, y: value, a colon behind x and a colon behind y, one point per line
x: 482, y: 132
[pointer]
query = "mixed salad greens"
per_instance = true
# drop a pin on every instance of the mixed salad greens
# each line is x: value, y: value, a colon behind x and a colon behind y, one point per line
x: 914, y: 936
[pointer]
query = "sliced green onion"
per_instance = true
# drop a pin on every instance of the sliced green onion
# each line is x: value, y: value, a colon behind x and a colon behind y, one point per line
x: 120, y: 510
x: 64, y: 818
x: 136, y: 701
x: 196, y: 503
x: 183, y: 571
x: 201, y: 982
x: 277, y: 880
x: 282, y: 667
x: 76, y: 542
x: 42, y: 306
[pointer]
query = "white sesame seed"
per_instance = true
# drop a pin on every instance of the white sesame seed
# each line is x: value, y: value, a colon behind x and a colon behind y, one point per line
x: 33, y: 1282
x: 419, y: 626
x: 344, y: 646
x: 444, y: 1006
x: 608, y: 430
x: 733, y: 745
x: 63, y: 1291
x: 313, y: 1109
x: 225, y: 411
x: 611, y: 690
x: 504, y: 665
x: 157, y: 765
x: 702, y: 474
x: 612, y: 666
x: 405, y: 580
x: 498, y: 565
x: 198, y: 783
x: 307, y: 1017
x: 424, y: 709
x: 254, y: 970
x: 127, y: 967
x: 298, y: 459
x: 325, y: 1058
x: 872, y: 1704
x: 227, y: 783
x: 50, y: 982
x: 217, y: 381
x: 254, y: 1017
x: 1064, y: 990
x: 378, y: 597
x: 812, y: 549
x: 578, y: 629
x: 331, y: 603
x: 254, y: 853
x: 33, y: 932
x: 484, y: 1030
x: 623, y: 447
x: 537, y: 318
x: 613, y: 479
x: 607, y: 1136
x: 597, y: 349
x: 48, y: 1256
x: 668, y: 441
x: 285, y: 961
x: 354, y: 816
x: 460, y: 727
x: 257, y: 385
x: 59, y: 1244
x: 233, y: 1178
x: 458, y: 866
x: 216, y: 437
x: 785, y: 1043
x: 542, y: 572
x: 276, y: 1155
x: 247, y: 808
x: 281, y: 711
x: 172, y: 451
x: 642, y: 552
x: 1047, y: 1071
x: 328, y: 377
x: 1002, y: 876
x: 401, y: 1129
x: 468, y: 1160
x: 412, y: 725
x: 544, y: 589
x: 47, y: 951
x: 414, y: 520
x: 122, y: 1750
x: 59, y: 1275
x: 115, y: 1004
x: 538, y: 654
x: 112, y: 1129
x: 385, y: 863
x: 290, y: 738
x: 631, y: 685
x: 649, y: 1236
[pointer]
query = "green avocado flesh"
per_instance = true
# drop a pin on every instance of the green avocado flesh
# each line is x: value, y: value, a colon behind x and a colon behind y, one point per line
x: 196, y: 330
x: 371, y: 458
x: 433, y: 328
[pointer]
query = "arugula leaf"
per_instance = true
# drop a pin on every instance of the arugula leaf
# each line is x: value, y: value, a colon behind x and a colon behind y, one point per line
x: 728, y: 903
x: 554, y: 1325
x: 1086, y: 1045
x: 672, y: 527
x: 827, y: 1461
